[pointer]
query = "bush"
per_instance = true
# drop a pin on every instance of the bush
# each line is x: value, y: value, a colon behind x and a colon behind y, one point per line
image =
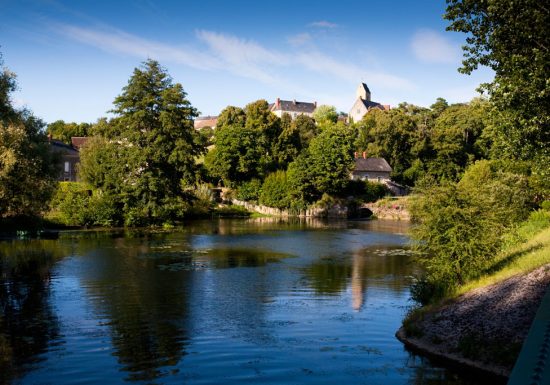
x: 275, y: 191
x: 74, y: 204
x: 249, y: 191
x: 459, y: 227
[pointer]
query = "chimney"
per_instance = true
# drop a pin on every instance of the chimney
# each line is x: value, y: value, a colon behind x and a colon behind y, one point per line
x: 278, y: 102
x: 364, y: 155
x: 315, y: 103
x: 294, y: 101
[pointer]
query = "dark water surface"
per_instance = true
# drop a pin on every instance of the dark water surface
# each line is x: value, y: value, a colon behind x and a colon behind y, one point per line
x: 223, y: 302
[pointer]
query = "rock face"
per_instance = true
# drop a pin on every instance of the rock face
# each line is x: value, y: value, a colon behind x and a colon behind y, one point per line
x: 484, y: 328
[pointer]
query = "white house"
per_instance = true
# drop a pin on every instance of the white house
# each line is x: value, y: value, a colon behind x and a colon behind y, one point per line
x: 293, y: 108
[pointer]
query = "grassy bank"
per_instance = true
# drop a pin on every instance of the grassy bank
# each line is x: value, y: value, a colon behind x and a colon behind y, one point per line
x: 482, y: 323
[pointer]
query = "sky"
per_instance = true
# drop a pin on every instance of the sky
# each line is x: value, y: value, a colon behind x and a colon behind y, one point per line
x: 72, y: 58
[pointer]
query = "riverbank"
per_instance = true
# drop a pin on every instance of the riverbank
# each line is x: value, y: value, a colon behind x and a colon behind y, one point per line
x: 483, y: 327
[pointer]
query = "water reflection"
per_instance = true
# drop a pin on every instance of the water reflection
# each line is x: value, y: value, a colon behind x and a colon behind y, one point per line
x: 146, y: 312
x: 387, y: 268
x: 28, y: 324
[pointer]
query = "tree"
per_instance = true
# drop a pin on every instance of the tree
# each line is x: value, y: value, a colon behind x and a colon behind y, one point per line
x: 325, y: 167
x: 288, y: 144
x: 511, y: 37
x: 65, y: 131
x: 458, y: 227
x: 28, y: 168
x: 306, y: 127
x: 325, y: 115
x: 152, y: 146
x: 237, y: 155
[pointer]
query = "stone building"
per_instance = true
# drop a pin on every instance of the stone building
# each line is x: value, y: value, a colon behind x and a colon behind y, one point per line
x: 371, y: 169
x: 364, y: 104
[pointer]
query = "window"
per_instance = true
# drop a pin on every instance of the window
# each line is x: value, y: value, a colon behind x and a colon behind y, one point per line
x: 67, y: 167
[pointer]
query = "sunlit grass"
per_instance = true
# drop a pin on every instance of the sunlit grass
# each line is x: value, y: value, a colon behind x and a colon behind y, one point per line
x: 518, y: 259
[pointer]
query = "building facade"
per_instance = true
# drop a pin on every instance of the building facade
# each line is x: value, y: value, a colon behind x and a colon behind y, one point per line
x: 293, y: 108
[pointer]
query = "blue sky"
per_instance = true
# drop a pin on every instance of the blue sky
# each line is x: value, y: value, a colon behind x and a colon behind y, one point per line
x: 72, y: 58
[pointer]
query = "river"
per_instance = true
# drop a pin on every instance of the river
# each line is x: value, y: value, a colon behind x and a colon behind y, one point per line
x: 213, y: 302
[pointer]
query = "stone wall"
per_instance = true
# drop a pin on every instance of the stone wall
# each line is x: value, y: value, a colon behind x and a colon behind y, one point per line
x: 334, y: 211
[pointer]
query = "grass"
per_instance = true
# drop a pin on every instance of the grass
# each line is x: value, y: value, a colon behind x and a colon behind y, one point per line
x: 517, y: 258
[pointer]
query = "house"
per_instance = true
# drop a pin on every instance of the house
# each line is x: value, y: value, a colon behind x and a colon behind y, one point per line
x: 69, y: 159
x: 206, y: 121
x: 364, y: 104
x: 371, y: 169
x: 293, y: 108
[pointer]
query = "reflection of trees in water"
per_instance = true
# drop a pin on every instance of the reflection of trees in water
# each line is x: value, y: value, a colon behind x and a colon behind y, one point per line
x: 147, y: 307
x: 28, y: 324
x: 368, y: 267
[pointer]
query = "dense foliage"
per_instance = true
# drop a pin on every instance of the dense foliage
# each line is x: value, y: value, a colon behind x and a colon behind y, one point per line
x: 65, y: 131
x: 146, y: 156
x: 28, y: 167
x: 461, y: 225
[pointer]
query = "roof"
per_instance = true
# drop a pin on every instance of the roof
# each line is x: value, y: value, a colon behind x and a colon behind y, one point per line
x: 369, y: 104
x: 59, y: 146
x: 372, y: 164
x: 365, y: 87
x: 78, y: 141
x: 293, y: 106
x: 206, y: 121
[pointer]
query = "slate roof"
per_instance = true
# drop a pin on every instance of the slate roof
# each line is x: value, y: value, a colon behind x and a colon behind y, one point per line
x: 372, y: 164
x: 293, y: 106
x: 59, y: 146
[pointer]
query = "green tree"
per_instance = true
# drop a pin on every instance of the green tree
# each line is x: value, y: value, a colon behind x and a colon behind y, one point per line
x: 154, y: 143
x: 237, y: 156
x: 458, y: 227
x: 325, y: 115
x: 306, y: 127
x: 65, y: 131
x: 28, y: 168
x: 288, y: 144
x: 231, y: 117
x: 455, y: 139
x: 511, y: 38
x: 325, y: 167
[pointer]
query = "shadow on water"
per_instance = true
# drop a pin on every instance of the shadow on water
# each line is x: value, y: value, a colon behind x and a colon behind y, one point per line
x: 28, y: 325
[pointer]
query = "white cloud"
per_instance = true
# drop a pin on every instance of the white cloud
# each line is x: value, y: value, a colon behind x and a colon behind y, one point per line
x: 299, y: 39
x: 246, y: 58
x: 116, y: 41
x: 432, y: 47
x: 323, y: 24
x: 352, y: 73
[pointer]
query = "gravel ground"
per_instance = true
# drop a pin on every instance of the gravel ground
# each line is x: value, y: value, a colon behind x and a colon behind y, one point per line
x: 483, y: 328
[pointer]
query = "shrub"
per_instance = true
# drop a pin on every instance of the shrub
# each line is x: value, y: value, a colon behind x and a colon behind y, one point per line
x: 459, y: 227
x: 275, y: 191
x: 249, y: 191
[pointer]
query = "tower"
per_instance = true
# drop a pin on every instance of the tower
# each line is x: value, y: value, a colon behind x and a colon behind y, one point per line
x: 363, y: 92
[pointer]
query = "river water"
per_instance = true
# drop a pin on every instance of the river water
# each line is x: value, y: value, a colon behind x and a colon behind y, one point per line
x: 215, y: 302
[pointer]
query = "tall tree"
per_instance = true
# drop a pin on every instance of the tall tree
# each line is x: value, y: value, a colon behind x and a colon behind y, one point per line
x: 511, y: 37
x: 153, y: 136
